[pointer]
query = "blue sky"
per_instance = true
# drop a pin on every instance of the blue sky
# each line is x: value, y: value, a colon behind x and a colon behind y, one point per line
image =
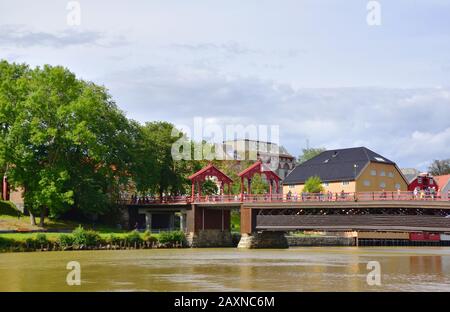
x: 315, y: 68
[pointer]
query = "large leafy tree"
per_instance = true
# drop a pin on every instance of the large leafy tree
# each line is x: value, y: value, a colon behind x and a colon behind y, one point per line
x: 154, y: 170
x: 65, y: 141
x: 440, y: 167
x: 14, y: 83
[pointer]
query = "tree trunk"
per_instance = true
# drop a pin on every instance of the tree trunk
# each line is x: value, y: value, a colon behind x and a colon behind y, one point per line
x: 41, y: 222
x: 32, y: 219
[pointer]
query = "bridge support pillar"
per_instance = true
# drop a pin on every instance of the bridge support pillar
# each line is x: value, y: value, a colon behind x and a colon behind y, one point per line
x: 172, y: 221
x: 148, y: 221
x: 250, y: 238
x: 182, y: 221
x: 208, y: 227
x: 259, y: 240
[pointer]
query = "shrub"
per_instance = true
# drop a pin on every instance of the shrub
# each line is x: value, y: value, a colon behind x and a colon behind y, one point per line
x: 172, y: 237
x: 8, y: 208
x: 134, y: 238
x: 30, y: 243
x: 41, y: 239
x: 85, y: 238
x: 65, y: 241
x: 149, y: 238
x: 6, y: 243
x: 113, y: 239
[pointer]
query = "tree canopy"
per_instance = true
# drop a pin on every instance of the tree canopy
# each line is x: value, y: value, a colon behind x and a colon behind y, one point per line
x: 313, y: 185
x: 440, y: 167
x: 308, y: 153
x: 64, y: 141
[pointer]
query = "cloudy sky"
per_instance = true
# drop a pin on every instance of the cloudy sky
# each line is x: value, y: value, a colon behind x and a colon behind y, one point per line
x: 313, y: 67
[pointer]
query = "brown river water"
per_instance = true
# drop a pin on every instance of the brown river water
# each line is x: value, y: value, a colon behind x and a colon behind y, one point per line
x: 294, y: 269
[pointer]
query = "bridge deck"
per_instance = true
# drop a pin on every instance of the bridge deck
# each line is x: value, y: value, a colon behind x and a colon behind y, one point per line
x: 365, y: 199
x: 400, y: 223
x: 350, y: 204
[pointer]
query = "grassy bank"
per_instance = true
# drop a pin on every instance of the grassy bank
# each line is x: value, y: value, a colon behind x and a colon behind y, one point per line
x: 81, y: 239
x: 12, y: 219
x: 14, y: 223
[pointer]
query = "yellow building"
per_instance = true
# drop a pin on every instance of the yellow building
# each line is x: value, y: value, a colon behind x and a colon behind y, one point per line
x: 350, y: 170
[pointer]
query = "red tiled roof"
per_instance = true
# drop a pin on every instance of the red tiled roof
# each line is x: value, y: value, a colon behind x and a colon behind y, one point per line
x: 210, y: 170
x: 259, y: 167
x: 442, y: 180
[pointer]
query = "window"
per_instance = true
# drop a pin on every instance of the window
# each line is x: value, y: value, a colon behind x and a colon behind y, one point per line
x: 345, y: 183
x: 326, y: 183
x: 382, y: 184
x: 431, y: 182
x: 291, y: 186
x: 366, y: 183
x: 397, y: 186
x: 419, y: 180
x: 373, y: 172
x: 382, y: 173
x: 390, y: 174
x: 380, y: 159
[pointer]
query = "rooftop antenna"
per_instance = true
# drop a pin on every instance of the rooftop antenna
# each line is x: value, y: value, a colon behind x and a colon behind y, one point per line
x: 307, y: 143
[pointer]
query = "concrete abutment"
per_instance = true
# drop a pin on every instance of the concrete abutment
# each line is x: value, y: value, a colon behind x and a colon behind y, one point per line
x: 266, y: 239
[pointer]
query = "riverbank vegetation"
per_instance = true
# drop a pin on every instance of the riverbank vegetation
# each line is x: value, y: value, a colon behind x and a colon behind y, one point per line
x: 82, y: 239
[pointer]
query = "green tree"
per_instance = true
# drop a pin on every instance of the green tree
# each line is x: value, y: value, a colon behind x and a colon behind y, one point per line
x: 259, y: 185
x: 308, y: 153
x: 313, y: 185
x: 209, y: 187
x: 154, y: 169
x: 440, y: 167
x: 64, y: 140
x: 14, y: 81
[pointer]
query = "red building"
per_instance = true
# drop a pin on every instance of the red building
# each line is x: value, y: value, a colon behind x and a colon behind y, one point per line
x: 423, y: 181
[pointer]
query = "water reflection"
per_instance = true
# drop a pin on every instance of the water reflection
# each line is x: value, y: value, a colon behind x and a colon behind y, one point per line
x: 295, y: 269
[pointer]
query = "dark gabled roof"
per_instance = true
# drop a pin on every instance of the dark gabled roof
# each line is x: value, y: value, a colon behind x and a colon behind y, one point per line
x: 335, y: 165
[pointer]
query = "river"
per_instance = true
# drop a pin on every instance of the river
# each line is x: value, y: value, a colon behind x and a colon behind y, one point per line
x: 294, y: 269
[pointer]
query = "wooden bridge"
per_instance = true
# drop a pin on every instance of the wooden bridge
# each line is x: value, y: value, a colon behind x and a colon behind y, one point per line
x: 273, y: 212
x: 351, y: 211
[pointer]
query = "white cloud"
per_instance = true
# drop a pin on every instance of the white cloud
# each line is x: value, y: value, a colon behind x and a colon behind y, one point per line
x: 20, y: 36
x: 410, y: 126
x: 231, y: 62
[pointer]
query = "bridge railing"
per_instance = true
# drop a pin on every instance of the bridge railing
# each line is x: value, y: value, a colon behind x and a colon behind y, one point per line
x: 151, y: 200
x: 303, y: 197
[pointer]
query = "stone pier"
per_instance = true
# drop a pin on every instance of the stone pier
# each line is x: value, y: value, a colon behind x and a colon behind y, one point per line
x: 266, y: 239
x: 210, y: 238
x: 208, y: 226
